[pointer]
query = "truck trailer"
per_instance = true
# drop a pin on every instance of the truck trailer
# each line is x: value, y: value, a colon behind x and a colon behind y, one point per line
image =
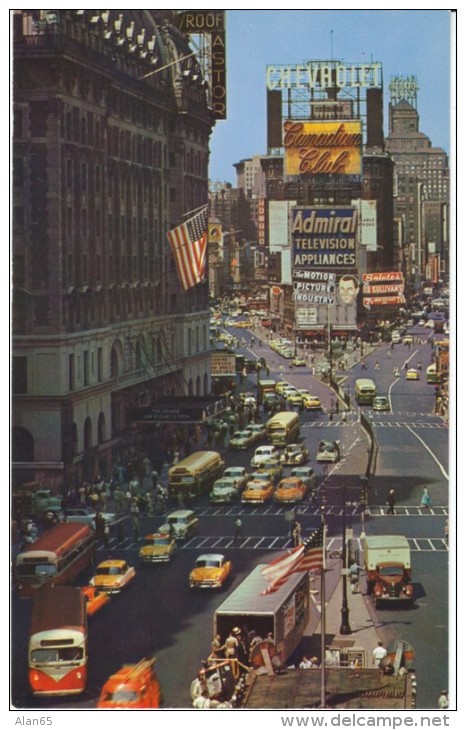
x: 283, y: 613
x: 387, y: 561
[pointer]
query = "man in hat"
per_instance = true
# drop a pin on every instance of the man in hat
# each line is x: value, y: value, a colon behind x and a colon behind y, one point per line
x: 231, y: 643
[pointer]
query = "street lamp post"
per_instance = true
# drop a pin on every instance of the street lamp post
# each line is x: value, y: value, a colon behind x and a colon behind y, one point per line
x: 345, y: 626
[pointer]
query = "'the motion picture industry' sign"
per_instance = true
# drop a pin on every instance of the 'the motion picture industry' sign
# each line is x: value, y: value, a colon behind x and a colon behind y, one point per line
x: 324, y: 238
x: 322, y: 148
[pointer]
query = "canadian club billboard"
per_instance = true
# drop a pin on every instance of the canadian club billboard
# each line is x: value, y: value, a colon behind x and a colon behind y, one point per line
x: 322, y: 148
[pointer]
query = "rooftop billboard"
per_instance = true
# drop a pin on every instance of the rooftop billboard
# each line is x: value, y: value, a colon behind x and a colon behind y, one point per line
x: 322, y: 148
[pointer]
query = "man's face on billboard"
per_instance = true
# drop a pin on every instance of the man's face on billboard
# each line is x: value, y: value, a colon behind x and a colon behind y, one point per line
x: 348, y: 290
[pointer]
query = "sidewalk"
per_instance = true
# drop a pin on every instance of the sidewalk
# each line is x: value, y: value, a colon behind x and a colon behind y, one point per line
x: 363, y: 637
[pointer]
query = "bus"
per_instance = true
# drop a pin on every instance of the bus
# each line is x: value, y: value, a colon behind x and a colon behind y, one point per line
x: 283, y: 428
x: 57, y: 651
x: 364, y: 391
x: 195, y: 474
x: 431, y: 374
x: 56, y: 557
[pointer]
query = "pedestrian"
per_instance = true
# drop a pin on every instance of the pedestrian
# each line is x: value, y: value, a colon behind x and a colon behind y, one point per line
x: 443, y: 701
x: 389, y: 354
x: 216, y: 647
x: 99, y: 526
x: 426, y: 499
x: 377, y: 365
x: 238, y: 530
x: 231, y: 643
x: 378, y: 654
x: 296, y: 533
x: 134, y: 513
x: 363, y: 365
x: 353, y: 573
x: 106, y: 534
x: 306, y: 663
x: 391, y: 501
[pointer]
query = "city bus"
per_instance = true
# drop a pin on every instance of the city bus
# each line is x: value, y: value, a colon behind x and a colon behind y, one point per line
x: 283, y: 428
x: 56, y: 557
x: 195, y: 474
x: 431, y: 374
x: 57, y: 651
x: 365, y: 391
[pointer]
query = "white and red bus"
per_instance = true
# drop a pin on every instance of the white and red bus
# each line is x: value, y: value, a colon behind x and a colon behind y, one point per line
x: 57, y: 557
x: 57, y: 653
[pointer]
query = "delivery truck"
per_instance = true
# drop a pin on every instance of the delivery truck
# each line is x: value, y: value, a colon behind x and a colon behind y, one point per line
x: 387, y: 562
x: 283, y: 613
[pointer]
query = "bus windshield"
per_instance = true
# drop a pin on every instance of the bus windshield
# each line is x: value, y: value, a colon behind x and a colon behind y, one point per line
x: 63, y: 654
x: 26, y: 570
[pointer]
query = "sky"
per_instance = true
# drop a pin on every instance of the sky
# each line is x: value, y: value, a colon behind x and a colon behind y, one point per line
x: 406, y: 42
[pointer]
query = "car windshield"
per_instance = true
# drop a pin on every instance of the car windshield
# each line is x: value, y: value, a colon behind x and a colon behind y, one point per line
x: 110, y: 570
x: 210, y: 563
x: 121, y: 697
x: 391, y: 570
x: 159, y: 541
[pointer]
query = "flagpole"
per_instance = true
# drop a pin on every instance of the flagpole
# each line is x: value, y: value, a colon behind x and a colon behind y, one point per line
x: 194, y: 210
x: 323, y: 627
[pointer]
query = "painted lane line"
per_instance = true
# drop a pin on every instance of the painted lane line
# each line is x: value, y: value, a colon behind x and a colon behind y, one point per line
x: 445, y: 474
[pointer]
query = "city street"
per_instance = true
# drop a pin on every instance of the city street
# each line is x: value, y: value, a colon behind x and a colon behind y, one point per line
x: 159, y: 615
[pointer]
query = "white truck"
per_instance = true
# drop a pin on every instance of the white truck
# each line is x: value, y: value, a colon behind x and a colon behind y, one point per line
x: 387, y: 560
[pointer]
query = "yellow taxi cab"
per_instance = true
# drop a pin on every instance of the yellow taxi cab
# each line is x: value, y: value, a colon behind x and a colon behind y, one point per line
x: 412, y: 374
x: 95, y: 600
x: 299, y: 362
x: 211, y: 570
x: 281, y: 386
x: 112, y: 576
x: 408, y: 340
x: 311, y: 402
x: 134, y: 686
x: 291, y: 489
x: 257, y: 491
x: 158, y: 548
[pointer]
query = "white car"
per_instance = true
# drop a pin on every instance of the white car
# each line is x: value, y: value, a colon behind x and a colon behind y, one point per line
x: 265, y: 453
x: 86, y: 516
x: 238, y: 474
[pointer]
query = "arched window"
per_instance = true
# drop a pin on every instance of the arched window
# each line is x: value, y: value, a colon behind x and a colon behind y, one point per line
x: 116, y: 359
x: 198, y: 385
x: 87, y: 433
x: 190, y: 387
x: 206, y: 384
x: 101, y: 429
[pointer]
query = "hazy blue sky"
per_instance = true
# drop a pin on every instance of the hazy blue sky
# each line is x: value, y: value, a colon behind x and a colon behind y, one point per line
x: 406, y: 42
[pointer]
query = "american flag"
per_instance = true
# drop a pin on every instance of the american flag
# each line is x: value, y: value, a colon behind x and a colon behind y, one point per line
x: 189, y: 246
x: 308, y: 556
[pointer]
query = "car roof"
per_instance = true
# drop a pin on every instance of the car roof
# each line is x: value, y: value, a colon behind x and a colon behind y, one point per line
x: 113, y: 562
x: 180, y: 513
x: 211, y: 556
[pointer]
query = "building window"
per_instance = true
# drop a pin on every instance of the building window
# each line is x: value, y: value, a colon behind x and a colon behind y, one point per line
x: 20, y: 375
x: 71, y: 372
x: 100, y: 364
x: 86, y: 367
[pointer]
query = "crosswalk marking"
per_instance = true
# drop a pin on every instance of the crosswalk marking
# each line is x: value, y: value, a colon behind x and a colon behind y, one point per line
x: 283, y: 542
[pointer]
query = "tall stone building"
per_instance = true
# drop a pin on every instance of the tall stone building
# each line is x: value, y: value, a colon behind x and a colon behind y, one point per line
x: 422, y: 178
x: 110, y: 146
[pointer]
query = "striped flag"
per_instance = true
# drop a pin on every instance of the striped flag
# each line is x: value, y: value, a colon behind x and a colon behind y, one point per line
x: 308, y: 556
x: 189, y: 246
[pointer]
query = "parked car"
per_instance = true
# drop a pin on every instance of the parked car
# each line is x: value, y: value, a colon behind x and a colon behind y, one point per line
x: 306, y: 474
x: 86, y: 516
x: 328, y: 451
x: 412, y: 374
x: 134, y: 686
x: 180, y: 524
x: 299, y: 362
x: 224, y: 490
x: 239, y: 475
x: 291, y: 489
x: 95, y: 600
x: 258, y: 429
x: 380, y: 403
x: 272, y: 469
x: 158, y: 548
x: 408, y: 340
x: 241, y: 439
x: 265, y: 453
x: 257, y: 491
x: 294, y: 454
x: 211, y: 570
x: 311, y: 403
x: 112, y: 576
